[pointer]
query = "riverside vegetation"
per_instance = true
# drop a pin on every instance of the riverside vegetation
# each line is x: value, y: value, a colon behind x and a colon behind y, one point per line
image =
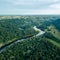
x: 43, y: 47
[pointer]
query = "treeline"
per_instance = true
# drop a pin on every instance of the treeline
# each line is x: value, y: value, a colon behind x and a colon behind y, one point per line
x: 11, y: 29
x: 32, y: 49
x: 57, y: 24
x: 50, y: 36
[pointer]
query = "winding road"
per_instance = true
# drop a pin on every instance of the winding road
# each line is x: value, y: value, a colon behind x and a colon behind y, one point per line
x: 10, y: 44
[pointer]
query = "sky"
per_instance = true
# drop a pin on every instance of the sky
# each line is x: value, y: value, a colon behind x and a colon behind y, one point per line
x: 29, y: 7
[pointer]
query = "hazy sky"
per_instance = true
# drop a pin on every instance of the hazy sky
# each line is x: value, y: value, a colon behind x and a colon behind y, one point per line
x: 29, y: 7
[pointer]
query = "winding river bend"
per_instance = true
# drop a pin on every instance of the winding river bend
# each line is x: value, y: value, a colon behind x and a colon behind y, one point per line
x: 40, y: 31
x: 22, y: 39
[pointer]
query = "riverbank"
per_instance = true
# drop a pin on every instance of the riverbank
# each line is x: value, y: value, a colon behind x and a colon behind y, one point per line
x: 22, y: 39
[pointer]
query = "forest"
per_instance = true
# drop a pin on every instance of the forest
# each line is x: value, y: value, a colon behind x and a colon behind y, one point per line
x: 43, y: 47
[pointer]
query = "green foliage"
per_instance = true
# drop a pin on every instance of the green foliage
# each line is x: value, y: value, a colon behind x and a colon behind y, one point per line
x: 32, y: 49
x: 44, y: 47
x: 11, y: 29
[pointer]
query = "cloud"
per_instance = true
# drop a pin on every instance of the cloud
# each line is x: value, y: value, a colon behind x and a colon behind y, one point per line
x: 43, y: 12
x: 29, y: 6
x: 55, y: 6
x: 27, y: 2
x: 56, y: 0
x: 31, y: 12
x: 48, y: 0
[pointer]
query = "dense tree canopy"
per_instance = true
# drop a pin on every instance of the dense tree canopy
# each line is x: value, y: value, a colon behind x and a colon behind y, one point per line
x: 44, y: 47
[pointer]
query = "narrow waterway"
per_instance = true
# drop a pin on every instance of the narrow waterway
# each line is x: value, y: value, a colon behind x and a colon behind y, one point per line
x: 39, y: 30
x: 8, y: 45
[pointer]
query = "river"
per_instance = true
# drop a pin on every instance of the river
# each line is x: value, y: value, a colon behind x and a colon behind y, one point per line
x: 8, y: 45
x: 39, y: 30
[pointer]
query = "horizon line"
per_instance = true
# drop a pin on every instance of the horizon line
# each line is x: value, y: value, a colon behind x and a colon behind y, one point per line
x: 26, y: 14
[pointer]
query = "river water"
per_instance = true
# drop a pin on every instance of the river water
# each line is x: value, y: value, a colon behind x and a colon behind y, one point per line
x: 35, y: 28
x: 39, y: 30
